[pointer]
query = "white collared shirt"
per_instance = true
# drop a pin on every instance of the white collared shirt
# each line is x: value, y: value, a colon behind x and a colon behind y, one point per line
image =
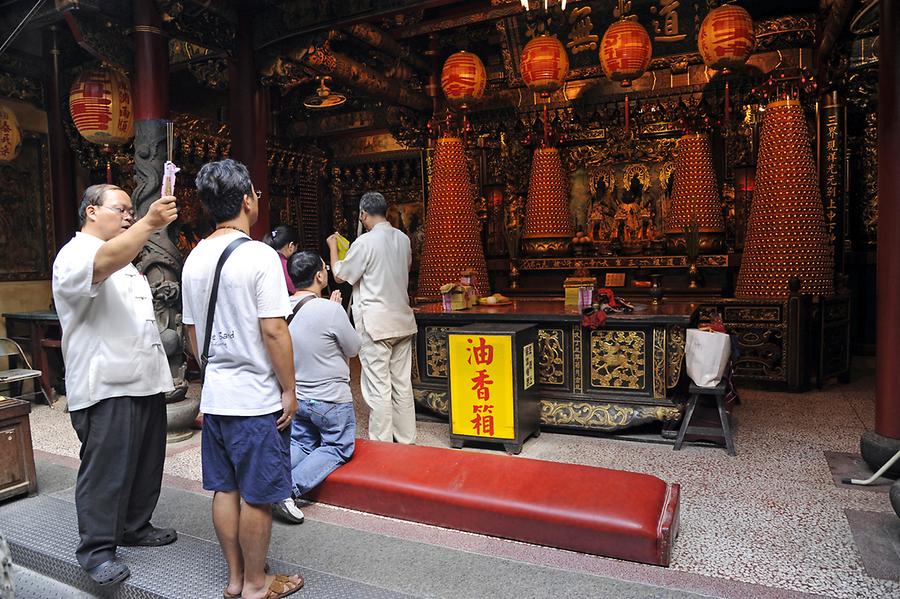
x: 377, y: 265
x: 110, y: 342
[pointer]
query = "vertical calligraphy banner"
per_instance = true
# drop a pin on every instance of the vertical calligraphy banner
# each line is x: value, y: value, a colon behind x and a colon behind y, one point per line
x: 832, y: 175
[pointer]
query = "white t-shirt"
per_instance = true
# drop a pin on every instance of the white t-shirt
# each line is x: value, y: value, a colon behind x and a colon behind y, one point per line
x: 377, y: 265
x: 110, y: 342
x: 239, y: 376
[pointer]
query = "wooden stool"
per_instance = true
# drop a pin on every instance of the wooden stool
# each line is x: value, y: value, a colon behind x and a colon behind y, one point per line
x: 719, y: 392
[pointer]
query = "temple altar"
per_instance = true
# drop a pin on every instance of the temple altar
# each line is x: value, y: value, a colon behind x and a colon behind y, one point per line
x: 620, y: 375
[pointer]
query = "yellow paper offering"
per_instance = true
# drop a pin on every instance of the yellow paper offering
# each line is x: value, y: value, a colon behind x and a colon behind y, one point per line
x: 343, y: 244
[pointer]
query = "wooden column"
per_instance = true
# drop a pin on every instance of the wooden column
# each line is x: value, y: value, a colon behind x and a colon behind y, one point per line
x: 62, y: 183
x: 887, y: 386
x: 249, y: 119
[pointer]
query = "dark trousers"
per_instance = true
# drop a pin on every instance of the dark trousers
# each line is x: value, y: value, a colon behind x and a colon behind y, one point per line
x: 123, y: 448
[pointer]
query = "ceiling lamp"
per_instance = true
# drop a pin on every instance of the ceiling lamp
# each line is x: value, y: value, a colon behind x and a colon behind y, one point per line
x: 625, y: 49
x: 726, y: 38
x: 10, y: 135
x: 324, y: 98
x: 463, y: 79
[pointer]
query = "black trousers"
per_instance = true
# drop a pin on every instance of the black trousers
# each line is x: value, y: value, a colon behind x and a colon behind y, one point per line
x: 123, y: 448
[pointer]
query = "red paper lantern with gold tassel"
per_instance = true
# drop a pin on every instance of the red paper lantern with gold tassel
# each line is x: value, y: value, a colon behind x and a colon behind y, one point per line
x: 10, y: 135
x: 463, y: 78
x: 726, y: 38
x: 100, y: 103
x: 452, y: 230
x: 725, y: 41
x: 625, y: 52
x: 101, y: 107
x: 544, y: 65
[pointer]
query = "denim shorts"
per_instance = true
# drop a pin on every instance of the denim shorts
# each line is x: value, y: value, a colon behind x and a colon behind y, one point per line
x: 247, y: 454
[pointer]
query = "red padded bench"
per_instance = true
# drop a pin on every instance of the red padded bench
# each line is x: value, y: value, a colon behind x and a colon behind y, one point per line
x: 613, y: 513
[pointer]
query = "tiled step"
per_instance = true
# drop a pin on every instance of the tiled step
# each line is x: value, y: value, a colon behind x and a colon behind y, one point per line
x: 42, y: 533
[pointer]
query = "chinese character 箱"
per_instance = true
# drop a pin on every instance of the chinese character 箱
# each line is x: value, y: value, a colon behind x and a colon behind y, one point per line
x: 482, y: 353
x: 483, y: 424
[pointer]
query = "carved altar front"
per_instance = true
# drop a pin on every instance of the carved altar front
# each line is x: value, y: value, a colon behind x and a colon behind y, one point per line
x: 618, y: 376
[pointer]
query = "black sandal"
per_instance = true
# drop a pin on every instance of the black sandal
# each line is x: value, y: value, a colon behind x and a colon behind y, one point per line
x: 109, y: 572
x: 157, y: 537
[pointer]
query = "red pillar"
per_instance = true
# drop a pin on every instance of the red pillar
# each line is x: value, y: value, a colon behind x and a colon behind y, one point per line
x: 62, y: 183
x: 887, y: 385
x: 150, y: 84
x: 249, y: 120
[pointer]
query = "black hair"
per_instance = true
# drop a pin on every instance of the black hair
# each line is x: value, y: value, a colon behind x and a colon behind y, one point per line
x: 373, y: 204
x: 280, y: 236
x: 303, y: 266
x: 93, y: 196
x: 222, y: 186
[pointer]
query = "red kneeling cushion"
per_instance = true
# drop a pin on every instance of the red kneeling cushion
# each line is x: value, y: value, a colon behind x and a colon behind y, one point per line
x: 606, y: 512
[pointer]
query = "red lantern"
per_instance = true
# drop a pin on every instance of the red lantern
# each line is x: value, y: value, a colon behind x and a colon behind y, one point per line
x: 101, y: 107
x: 625, y: 51
x: 544, y: 64
x: 726, y: 38
x: 463, y: 78
x: 10, y: 135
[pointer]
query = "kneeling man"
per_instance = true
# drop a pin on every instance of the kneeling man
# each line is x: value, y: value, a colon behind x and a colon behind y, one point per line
x: 324, y: 428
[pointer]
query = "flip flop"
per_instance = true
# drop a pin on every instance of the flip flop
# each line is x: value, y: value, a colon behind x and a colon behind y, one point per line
x: 157, y: 537
x: 109, y: 572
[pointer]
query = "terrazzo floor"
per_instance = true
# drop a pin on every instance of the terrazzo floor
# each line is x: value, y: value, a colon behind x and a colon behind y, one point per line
x: 770, y: 520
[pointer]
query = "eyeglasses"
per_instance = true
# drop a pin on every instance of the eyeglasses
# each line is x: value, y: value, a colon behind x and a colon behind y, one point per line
x: 123, y: 212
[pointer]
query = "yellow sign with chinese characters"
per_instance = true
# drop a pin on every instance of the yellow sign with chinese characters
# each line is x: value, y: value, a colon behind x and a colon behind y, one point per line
x: 481, y: 386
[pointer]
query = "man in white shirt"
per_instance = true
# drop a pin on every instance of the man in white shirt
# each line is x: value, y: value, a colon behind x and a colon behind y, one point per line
x: 377, y: 265
x: 248, y: 397
x: 323, y: 434
x: 116, y: 377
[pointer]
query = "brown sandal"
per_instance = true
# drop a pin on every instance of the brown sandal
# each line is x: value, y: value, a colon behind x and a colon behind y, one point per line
x: 283, y: 586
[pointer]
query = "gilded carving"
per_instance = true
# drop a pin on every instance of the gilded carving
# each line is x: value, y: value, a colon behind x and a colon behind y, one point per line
x: 552, y: 361
x: 437, y: 356
x: 436, y: 401
x: 760, y: 314
x: 603, y: 416
x: 563, y: 263
x: 617, y: 359
x: 546, y: 246
x: 577, y: 359
x: 659, y: 363
x: 674, y: 354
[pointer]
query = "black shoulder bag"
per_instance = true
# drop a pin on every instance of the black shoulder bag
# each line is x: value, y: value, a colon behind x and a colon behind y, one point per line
x: 298, y: 306
x: 211, y: 308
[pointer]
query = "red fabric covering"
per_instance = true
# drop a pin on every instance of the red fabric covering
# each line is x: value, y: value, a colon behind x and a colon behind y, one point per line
x: 605, y: 512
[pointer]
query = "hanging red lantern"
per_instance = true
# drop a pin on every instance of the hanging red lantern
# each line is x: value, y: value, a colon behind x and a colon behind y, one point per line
x: 101, y: 107
x: 10, y: 135
x: 726, y: 38
x: 544, y: 65
x: 463, y: 78
x: 625, y: 51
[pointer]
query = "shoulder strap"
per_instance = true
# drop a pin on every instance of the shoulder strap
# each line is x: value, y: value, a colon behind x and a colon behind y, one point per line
x: 298, y: 306
x: 211, y: 308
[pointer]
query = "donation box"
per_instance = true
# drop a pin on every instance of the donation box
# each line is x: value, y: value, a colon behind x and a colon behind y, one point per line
x: 493, y: 370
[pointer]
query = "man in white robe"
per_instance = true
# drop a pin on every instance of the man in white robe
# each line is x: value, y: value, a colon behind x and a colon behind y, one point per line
x: 377, y: 265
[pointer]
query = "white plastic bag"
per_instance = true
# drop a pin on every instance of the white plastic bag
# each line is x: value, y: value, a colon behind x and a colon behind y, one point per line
x: 706, y: 356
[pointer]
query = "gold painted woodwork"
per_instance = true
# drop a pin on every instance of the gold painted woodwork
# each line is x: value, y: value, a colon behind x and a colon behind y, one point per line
x: 617, y: 359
